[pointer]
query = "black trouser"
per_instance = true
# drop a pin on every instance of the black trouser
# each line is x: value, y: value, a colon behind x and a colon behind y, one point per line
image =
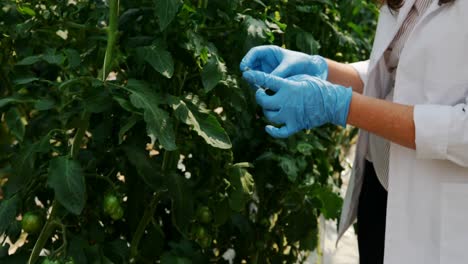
x: 371, y: 218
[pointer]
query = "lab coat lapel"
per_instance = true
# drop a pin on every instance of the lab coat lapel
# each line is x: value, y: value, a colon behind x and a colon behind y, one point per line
x: 382, y: 42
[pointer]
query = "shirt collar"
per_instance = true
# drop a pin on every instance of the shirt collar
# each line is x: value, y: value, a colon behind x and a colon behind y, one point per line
x: 422, y: 5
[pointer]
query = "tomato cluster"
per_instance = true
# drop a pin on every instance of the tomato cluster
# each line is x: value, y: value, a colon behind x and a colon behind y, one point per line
x: 112, y: 207
x: 200, y: 231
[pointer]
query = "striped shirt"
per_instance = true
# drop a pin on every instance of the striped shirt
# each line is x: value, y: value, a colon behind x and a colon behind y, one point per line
x: 379, y: 148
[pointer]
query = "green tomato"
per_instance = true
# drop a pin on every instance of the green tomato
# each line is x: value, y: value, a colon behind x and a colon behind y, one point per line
x: 117, y: 214
x: 31, y: 223
x: 111, y: 204
x: 49, y: 261
x: 200, y: 232
x: 204, y: 215
x: 205, y: 242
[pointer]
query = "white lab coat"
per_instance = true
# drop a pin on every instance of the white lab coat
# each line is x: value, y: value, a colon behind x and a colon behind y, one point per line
x: 427, y: 211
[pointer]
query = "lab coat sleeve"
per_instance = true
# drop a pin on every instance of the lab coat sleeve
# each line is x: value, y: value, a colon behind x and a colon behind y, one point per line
x: 442, y: 132
x: 362, y: 68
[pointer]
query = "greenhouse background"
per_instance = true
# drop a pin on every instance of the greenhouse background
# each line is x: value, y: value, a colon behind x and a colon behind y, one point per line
x: 127, y: 134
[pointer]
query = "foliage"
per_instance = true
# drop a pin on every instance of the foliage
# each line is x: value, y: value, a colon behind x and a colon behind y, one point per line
x: 141, y: 101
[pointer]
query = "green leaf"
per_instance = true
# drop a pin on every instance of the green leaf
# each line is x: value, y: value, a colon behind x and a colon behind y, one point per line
x: 169, y: 258
x: 300, y: 223
x: 18, y: 257
x: 146, y: 167
x: 14, y: 230
x: 331, y: 202
x: 304, y: 148
x: 76, y: 248
x: 289, y: 166
x: 130, y: 123
x: 213, y: 72
x: 9, y: 100
x: 44, y: 104
x: 166, y: 10
x: 159, y: 58
x: 154, y: 243
x: 158, y: 121
x: 29, y: 60
x: 15, y: 124
x: 260, y: 3
x: 21, y: 80
x: 222, y: 212
x: 310, y: 240
x: 25, y: 10
x: 256, y: 29
x: 23, y: 170
x: 125, y: 104
x: 195, y: 43
x: 206, y: 125
x: 242, y: 223
x: 242, y: 185
x: 73, y: 58
x: 306, y: 42
x: 50, y: 57
x: 117, y: 251
x: 96, y: 99
x: 182, y: 202
x: 67, y: 179
x: 8, y: 208
x: 4, y: 250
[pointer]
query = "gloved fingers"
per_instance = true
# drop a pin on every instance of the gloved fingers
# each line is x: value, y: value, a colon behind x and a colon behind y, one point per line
x: 282, y: 132
x: 267, y: 80
x: 265, y: 101
x: 251, y: 82
x: 283, y: 70
x: 273, y: 116
x: 321, y: 66
x: 259, y: 58
x: 300, y: 78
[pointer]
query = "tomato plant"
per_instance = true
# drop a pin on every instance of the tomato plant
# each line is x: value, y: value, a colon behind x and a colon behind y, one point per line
x: 127, y: 125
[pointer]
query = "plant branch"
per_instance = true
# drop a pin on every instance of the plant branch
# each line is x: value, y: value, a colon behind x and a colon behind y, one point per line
x: 112, y: 32
x: 64, y: 245
x: 80, y: 133
x: 46, y: 231
x: 104, y: 178
x: 145, y: 220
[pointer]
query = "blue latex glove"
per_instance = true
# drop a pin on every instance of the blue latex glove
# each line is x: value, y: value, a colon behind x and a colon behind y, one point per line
x: 284, y: 63
x: 300, y: 102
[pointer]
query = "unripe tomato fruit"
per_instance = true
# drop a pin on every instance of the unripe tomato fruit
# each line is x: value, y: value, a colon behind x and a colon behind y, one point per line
x: 31, y: 223
x: 48, y: 261
x: 205, y: 242
x: 204, y: 215
x: 111, y: 204
x: 117, y: 214
x: 200, y: 232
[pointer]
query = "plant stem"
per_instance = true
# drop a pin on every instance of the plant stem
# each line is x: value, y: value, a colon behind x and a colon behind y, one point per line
x: 50, y: 225
x: 149, y: 212
x: 80, y: 133
x: 145, y: 220
x: 46, y: 231
x: 112, y: 32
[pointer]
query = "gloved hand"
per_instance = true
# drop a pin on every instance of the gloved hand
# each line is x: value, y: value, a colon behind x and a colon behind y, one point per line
x: 284, y: 63
x: 300, y: 102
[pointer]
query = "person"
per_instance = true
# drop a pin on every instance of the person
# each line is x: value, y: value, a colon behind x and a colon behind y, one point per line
x: 409, y: 187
